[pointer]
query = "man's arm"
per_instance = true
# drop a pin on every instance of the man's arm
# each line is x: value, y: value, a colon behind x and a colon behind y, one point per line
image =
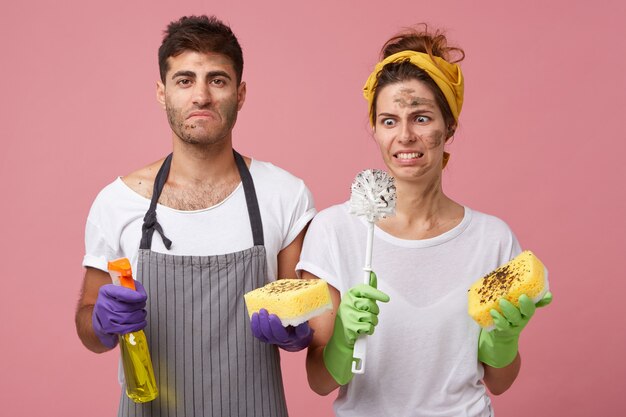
x: 498, y: 380
x: 288, y: 257
x: 320, y: 380
x: 93, y: 280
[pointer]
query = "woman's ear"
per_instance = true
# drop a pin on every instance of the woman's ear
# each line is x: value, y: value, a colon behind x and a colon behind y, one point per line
x: 451, y: 130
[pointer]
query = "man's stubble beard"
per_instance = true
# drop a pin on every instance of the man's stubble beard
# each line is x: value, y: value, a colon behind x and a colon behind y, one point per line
x: 186, y: 130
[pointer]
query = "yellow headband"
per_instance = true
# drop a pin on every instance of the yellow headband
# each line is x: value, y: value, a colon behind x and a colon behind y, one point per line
x: 447, y: 76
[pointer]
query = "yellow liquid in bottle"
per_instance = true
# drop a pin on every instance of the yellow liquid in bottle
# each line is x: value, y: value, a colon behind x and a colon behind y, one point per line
x: 140, y: 383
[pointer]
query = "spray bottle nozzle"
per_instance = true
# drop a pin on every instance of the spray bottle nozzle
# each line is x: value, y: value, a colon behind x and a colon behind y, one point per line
x: 121, y: 272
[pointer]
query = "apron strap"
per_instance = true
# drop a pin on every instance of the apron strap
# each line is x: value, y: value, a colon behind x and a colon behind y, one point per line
x: 150, y: 223
x: 253, y: 204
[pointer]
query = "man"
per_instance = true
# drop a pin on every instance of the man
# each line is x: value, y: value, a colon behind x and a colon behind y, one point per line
x: 225, y: 225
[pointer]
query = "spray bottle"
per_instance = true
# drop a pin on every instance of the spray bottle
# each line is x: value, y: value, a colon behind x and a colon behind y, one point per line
x: 140, y: 383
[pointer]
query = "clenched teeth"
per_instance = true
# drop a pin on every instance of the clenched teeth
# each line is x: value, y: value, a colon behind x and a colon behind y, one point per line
x: 411, y: 155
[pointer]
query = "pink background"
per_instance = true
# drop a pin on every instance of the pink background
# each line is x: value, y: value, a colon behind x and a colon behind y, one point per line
x: 541, y: 145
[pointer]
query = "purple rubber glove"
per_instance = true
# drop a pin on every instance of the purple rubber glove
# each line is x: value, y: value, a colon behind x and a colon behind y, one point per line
x: 118, y: 310
x: 268, y: 328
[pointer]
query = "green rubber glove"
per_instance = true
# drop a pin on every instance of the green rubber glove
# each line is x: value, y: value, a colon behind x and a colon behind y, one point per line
x: 498, y: 348
x: 357, y: 314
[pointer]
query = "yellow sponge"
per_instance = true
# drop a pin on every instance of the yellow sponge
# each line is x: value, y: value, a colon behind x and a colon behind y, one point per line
x: 294, y: 301
x: 524, y: 274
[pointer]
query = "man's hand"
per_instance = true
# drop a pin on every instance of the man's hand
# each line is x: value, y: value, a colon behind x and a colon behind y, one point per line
x: 118, y: 310
x: 269, y: 329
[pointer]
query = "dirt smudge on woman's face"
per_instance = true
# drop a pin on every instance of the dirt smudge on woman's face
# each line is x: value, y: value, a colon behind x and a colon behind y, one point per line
x: 434, y: 138
x: 406, y: 98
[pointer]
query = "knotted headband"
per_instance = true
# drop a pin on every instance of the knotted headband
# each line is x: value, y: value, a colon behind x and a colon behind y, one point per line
x: 447, y: 76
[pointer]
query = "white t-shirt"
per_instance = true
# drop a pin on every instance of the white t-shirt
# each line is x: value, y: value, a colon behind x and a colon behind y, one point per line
x: 422, y: 358
x: 114, y: 223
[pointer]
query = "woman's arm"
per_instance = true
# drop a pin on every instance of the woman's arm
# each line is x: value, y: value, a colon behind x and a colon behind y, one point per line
x: 500, y: 346
x: 329, y: 362
x: 319, y: 378
x: 498, y: 380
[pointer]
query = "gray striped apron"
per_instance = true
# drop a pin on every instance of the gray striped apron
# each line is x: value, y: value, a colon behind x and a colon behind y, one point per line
x: 206, y: 361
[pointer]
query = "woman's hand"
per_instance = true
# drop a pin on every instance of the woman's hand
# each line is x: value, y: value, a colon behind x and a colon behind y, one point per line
x: 357, y: 314
x: 498, y: 348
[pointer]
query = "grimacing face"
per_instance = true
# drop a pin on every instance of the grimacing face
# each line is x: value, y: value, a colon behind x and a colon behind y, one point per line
x: 410, y: 130
x: 201, y: 97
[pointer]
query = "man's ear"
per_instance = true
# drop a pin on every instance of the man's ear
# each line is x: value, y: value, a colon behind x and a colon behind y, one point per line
x: 241, y: 95
x: 160, y: 93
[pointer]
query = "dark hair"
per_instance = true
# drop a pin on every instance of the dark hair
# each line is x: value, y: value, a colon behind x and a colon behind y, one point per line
x: 199, y: 34
x: 419, y: 40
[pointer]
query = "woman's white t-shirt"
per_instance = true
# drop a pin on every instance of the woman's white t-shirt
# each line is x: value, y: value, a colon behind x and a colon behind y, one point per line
x: 422, y: 358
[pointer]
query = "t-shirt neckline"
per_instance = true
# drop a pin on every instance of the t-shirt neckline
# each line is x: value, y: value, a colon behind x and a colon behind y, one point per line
x: 173, y: 210
x: 422, y: 243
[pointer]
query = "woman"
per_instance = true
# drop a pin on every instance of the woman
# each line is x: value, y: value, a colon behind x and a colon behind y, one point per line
x: 427, y: 356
